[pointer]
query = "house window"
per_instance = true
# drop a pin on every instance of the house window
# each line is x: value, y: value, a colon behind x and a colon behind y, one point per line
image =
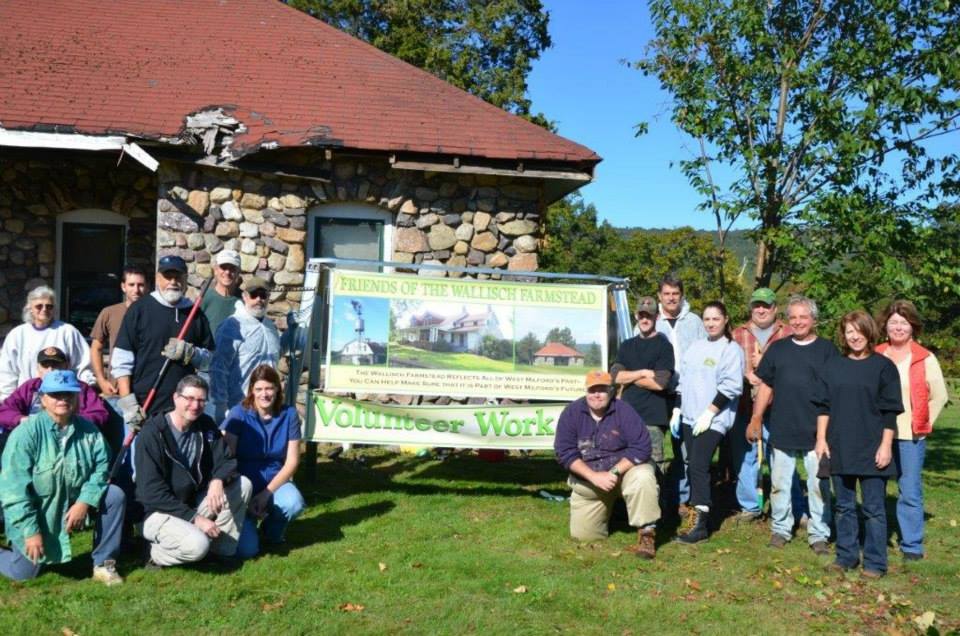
x: 350, y: 230
x: 91, y: 253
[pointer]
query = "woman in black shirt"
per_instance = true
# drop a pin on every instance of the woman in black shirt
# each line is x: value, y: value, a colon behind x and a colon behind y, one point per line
x: 858, y: 402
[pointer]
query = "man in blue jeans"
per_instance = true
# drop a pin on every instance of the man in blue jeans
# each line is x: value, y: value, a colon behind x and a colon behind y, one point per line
x: 754, y: 337
x: 788, y: 371
x: 55, y: 468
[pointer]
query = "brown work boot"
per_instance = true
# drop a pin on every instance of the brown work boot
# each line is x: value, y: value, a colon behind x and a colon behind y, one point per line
x: 646, y: 545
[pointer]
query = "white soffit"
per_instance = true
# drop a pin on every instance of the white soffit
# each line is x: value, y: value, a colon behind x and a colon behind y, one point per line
x: 70, y: 141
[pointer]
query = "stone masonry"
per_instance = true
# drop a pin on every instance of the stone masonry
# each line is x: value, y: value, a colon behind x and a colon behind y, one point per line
x: 35, y: 188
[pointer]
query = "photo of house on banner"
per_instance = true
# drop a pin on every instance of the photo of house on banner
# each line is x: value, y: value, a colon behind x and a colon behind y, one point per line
x: 360, y: 331
x: 429, y: 335
x: 560, y: 340
x: 412, y: 335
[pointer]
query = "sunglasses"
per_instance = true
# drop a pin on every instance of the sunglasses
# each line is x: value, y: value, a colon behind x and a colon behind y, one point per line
x: 64, y: 396
x: 258, y: 293
x: 40, y: 306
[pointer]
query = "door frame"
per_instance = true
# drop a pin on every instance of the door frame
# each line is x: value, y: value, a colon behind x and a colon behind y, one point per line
x: 93, y: 216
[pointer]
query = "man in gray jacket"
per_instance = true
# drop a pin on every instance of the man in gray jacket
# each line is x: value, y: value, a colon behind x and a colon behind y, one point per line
x: 244, y: 341
x: 682, y: 328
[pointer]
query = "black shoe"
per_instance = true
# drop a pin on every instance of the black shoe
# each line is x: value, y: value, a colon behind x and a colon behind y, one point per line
x: 912, y: 556
x: 700, y: 531
x: 152, y: 565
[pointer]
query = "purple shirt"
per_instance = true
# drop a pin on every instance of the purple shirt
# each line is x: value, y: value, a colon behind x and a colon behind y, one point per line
x: 17, y: 406
x: 619, y: 434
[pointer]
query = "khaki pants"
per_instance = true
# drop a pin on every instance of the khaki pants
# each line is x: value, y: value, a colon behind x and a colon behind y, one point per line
x: 590, y: 507
x: 175, y: 541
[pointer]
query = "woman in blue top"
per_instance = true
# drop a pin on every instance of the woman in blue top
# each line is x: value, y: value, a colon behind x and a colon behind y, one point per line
x: 265, y: 438
x: 711, y: 381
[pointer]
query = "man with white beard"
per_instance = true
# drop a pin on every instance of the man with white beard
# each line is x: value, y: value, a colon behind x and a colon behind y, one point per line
x: 244, y: 341
x: 148, y: 334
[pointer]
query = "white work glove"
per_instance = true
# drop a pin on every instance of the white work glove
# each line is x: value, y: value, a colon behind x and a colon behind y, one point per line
x: 132, y: 413
x: 178, y: 350
x: 675, y: 423
x: 703, y: 422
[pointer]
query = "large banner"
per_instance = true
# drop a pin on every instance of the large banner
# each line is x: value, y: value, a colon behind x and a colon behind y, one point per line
x: 513, y: 426
x: 413, y: 335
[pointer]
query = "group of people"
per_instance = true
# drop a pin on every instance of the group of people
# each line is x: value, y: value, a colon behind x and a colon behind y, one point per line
x: 214, y: 449
x: 856, y: 416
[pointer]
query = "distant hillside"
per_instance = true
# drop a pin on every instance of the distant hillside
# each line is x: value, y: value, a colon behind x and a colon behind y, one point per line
x: 738, y: 241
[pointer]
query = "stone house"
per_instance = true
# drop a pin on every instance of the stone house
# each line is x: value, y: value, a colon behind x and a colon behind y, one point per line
x: 557, y: 354
x: 163, y: 127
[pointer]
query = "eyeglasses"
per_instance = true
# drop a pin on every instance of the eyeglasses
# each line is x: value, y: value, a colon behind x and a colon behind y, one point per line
x: 258, y: 293
x: 47, y: 306
x: 64, y: 396
x: 193, y: 400
x: 598, y: 388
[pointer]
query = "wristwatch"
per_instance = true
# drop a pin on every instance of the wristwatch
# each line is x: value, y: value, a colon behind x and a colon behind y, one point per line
x: 615, y: 470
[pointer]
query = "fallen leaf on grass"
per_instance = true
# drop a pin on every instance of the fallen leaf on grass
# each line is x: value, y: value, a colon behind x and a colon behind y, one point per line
x: 350, y: 607
x: 612, y: 587
x: 777, y: 584
x: 66, y: 631
x: 693, y: 585
x: 925, y: 620
x: 520, y: 590
x: 416, y: 565
x: 382, y: 566
x: 269, y: 607
x: 953, y: 523
x: 724, y: 551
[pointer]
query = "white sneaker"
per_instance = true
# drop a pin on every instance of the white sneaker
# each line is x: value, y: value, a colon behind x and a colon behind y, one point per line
x: 107, y: 573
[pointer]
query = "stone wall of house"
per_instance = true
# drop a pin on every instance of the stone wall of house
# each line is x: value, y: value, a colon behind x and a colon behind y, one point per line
x: 461, y: 220
x: 36, y: 187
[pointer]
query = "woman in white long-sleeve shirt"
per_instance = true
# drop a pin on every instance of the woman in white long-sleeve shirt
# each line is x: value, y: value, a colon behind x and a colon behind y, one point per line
x: 18, y: 357
x: 711, y: 381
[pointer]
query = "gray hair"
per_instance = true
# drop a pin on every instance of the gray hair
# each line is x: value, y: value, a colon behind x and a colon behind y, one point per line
x: 38, y: 292
x: 798, y: 299
x: 192, y: 382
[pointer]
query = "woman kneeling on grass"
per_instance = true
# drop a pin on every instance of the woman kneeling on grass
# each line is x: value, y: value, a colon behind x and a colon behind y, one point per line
x: 265, y: 438
x: 54, y: 473
x: 711, y: 381
x: 858, y: 401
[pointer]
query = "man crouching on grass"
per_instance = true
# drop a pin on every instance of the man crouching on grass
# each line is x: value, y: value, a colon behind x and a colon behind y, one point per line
x: 606, y: 447
x: 193, y: 498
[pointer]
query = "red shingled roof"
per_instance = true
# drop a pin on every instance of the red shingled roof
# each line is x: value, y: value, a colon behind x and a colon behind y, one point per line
x: 558, y: 349
x: 138, y: 67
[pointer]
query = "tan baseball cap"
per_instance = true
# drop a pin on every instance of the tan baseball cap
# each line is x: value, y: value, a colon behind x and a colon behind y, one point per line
x: 598, y: 377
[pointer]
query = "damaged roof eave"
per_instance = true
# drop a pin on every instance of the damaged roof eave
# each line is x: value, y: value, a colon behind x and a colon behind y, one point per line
x: 76, y: 141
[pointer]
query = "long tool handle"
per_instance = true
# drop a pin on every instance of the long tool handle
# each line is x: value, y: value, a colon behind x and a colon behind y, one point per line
x: 760, y: 471
x: 152, y: 394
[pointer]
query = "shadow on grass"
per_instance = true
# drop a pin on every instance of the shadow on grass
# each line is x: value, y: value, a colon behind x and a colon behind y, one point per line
x: 457, y: 475
x: 943, y: 451
x: 329, y: 526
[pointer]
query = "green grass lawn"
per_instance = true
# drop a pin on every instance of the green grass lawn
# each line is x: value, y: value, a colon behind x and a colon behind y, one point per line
x: 412, y: 546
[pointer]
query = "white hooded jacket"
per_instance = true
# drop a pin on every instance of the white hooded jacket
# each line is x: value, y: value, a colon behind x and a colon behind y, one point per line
x: 243, y: 343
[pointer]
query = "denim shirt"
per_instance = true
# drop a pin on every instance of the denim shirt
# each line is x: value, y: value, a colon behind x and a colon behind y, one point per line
x: 619, y: 433
x: 42, y: 478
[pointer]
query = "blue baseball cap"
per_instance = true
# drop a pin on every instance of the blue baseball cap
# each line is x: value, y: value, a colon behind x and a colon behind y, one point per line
x: 171, y: 262
x: 60, y: 381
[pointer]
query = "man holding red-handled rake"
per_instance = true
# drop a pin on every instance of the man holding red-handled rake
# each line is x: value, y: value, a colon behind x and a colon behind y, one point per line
x: 149, y: 335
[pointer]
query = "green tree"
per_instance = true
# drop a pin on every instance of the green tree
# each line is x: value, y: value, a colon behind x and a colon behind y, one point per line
x: 819, y: 110
x: 485, y: 47
x: 563, y: 336
x: 592, y: 356
x: 575, y: 243
x: 527, y: 347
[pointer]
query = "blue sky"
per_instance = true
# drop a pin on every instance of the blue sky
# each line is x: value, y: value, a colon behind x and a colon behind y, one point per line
x: 376, y: 313
x: 581, y: 84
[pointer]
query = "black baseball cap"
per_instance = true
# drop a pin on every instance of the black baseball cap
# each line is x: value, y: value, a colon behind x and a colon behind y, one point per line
x: 171, y: 262
x: 51, y: 355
